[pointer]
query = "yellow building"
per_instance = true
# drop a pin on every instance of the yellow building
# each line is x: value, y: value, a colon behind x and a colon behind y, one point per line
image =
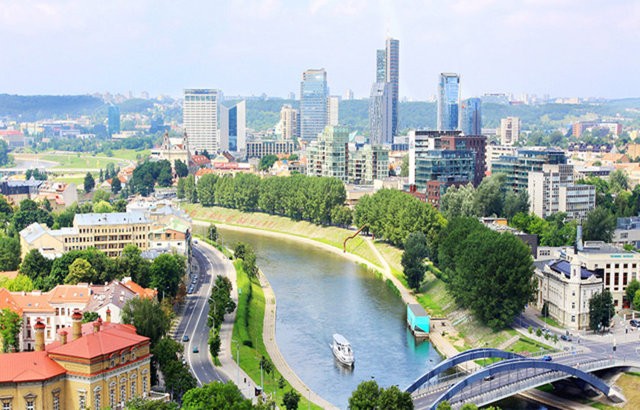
x: 103, y: 365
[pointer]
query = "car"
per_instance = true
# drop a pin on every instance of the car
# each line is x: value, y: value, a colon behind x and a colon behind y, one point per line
x: 185, y: 338
x: 634, y: 322
x: 489, y: 378
x: 547, y: 358
x: 195, y: 349
x: 566, y: 338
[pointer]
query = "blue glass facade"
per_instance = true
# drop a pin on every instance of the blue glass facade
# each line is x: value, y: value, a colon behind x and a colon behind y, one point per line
x: 313, y: 104
x: 114, y: 120
x: 471, y: 117
x: 393, y: 78
x: 448, y: 102
x: 233, y: 128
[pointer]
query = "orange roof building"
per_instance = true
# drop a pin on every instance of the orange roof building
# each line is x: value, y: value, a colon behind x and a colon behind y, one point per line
x: 97, y: 365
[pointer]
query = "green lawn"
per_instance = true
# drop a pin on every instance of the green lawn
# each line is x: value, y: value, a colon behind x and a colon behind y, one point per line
x: 550, y: 321
x: 248, y: 330
x: 526, y: 345
x: 81, y: 160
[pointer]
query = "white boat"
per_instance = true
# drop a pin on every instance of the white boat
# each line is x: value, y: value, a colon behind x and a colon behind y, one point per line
x: 342, y: 350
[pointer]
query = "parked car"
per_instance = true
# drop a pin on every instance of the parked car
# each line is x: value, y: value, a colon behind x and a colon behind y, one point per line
x: 547, y: 358
x: 634, y: 322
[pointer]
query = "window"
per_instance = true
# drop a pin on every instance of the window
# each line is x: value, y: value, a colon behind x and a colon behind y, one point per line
x: 30, y: 401
x: 123, y: 391
x: 123, y: 358
x: 82, y: 400
x: 573, y: 318
x: 133, y: 388
x: 112, y: 363
x: 6, y: 404
x: 573, y: 305
x: 144, y: 384
x: 97, y: 402
x: 112, y: 395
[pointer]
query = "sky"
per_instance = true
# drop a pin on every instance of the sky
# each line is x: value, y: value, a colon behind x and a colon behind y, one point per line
x: 564, y: 48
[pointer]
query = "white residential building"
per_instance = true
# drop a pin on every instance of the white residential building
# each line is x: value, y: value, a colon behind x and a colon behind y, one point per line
x: 509, y: 130
x: 201, y: 119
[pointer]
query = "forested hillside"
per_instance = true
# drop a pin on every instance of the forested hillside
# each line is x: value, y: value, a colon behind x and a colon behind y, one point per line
x: 37, y: 107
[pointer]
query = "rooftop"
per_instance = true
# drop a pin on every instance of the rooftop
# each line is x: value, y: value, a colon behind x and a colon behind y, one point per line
x: 116, y: 218
x: 28, y: 366
x: 597, y: 247
x: 564, y: 267
x: 112, y: 338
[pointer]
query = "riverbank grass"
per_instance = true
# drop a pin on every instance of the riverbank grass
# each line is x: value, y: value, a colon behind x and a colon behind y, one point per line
x: 247, y: 335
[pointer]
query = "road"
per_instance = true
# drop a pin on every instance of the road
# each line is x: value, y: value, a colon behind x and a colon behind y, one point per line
x: 194, y: 319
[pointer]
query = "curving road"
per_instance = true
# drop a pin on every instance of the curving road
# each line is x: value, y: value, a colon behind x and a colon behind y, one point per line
x: 194, y: 319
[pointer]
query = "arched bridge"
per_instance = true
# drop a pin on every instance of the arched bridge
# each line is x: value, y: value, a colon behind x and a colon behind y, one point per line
x: 505, y: 378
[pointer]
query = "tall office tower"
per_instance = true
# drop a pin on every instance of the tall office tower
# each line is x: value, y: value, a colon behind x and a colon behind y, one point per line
x: 509, y: 130
x: 381, y: 66
x: 471, y: 117
x: 392, y: 71
x: 348, y: 95
x: 448, y: 102
x: 314, y: 94
x: 114, y: 119
x: 333, y: 110
x: 290, y: 120
x: 238, y: 127
x: 380, y: 114
x: 200, y: 118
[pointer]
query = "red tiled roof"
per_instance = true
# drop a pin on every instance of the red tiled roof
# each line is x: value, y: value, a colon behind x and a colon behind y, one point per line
x: 139, y: 290
x: 28, y: 366
x: 70, y: 293
x: 112, y: 338
x: 7, y: 301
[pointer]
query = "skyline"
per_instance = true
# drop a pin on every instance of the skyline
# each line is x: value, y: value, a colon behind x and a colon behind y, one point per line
x: 564, y: 48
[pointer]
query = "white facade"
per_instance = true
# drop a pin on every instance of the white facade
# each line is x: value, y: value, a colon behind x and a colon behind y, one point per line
x: 509, y: 130
x: 333, y: 110
x: 380, y: 114
x: 290, y: 122
x: 552, y: 190
x: 494, y: 152
x: 201, y: 119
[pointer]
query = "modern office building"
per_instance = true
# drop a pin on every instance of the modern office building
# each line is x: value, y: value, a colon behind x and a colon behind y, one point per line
x: 517, y: 167
x: 392, y: 73
x: 290, y: 122
x: 333, y: 110
x: 314, y: 95
x: 201, y: 119
x: 237, y: 120
x: 381, y: 66
x: 380, y: 114
x: 259, y: 149
x: 448, y: 102
x: 113, y: 119
x: 494, y: 152
x: 552, y: 190
x: 471, y: 116
x: 509, y: 130
x: 328, y: 154
x: 439, y: 159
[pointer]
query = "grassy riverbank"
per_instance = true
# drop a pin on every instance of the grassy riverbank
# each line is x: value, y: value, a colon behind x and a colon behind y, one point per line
x: 433, y: 295
x: 247, y: 334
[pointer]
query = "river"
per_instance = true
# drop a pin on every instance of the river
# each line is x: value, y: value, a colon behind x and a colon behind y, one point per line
x: 319, y: 293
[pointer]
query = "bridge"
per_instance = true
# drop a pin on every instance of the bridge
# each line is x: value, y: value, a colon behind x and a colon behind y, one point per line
x: 484, y: 385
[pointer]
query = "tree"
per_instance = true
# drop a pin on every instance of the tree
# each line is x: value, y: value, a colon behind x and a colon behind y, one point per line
x: 35, y: 266
x: 392, y: 398
x: 89, y: 317
x: 139, y: 403
x: 10, y: 325
x: 102, y: 207
x: 515, y: 203
x: 599, y: 225
x: 469, y: 406
x: 9, y: 253
x: 630, y: 292
x: 206, y: 189
x: 147, y: 316
x: 489, y: 199
x: 290, y: 400
x: 80, y: 271
x: 131, y: 263
x: 636, y: 299
x: 415, y: 251
x: 618, y: 181
x: 216, y: 395
x: 4, y: 153
x: 116, y: 185
x: 267, y: 162
x: 89, y: 182
x: 444, y: 405
x: 100, y: 195
x: 21, y: 283
x: 342, y: 216
x: 181, y: 168
x: 365, y: 396
x: 220, y: 302
x: 239, y: 250
x: 601, y: 310
x: 404, y: 170
x: 164, y: 177
x: 166, y: 272
x: 458, y: 201
x: 212, y: 233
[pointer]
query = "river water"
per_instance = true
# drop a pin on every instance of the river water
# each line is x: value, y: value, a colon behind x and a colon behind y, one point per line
x: 319, y: 293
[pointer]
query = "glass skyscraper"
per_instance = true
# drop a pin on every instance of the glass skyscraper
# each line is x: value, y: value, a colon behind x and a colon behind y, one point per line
x: 393, y: 76
x: 314, y: 96
x: 471, y: 117
x: 114, y: 120
x: 383, y: 102
x: 448, y: 102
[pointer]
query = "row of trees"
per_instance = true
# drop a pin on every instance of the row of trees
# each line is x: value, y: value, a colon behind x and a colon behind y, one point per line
x: 299, y: 197
x: 392, y: 215
x: 486, y: 271
x: 147, y: 174
x: 91, y: 265
x: 220, y: 304
x: 491, y: 198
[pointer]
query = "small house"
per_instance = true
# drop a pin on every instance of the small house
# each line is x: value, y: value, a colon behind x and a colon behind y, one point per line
x: 418, y: 320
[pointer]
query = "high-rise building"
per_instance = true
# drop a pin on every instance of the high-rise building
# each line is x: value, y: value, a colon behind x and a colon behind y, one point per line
x: 509, y: 130
x: 439, y: 159
x: 517, y: 167
x: 314, y: 94
x: 333, y: 110
x: 367, y: 164
x: 448, y: 102
x: 238, y: 127
x: 201, y: 119
x: 380, y: 114
x: 552, y: 190
x: 381, y: 66
x: 471, y: 117
x: 392, y: 71
x: 327, y: 155
x: 114, y: 119
x: 290, y: 120
x: 348, y: 95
